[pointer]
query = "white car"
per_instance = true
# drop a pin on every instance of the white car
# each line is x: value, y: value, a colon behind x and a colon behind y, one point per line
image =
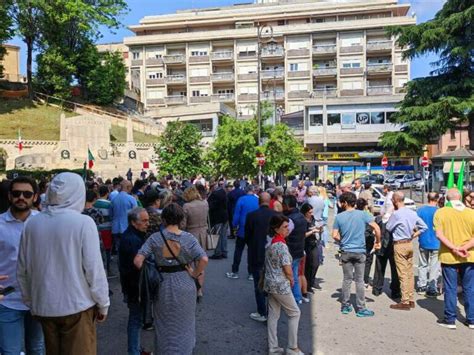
x: 379, y: 199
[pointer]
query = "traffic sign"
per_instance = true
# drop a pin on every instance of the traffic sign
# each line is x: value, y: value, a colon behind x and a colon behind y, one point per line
x: 424, y: 162
x: 384, y: 162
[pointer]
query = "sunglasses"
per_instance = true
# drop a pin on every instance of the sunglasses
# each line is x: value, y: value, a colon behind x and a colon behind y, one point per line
x: 18, y: 193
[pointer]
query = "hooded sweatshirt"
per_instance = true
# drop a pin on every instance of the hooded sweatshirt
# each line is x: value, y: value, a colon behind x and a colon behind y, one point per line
x: 60, y: 269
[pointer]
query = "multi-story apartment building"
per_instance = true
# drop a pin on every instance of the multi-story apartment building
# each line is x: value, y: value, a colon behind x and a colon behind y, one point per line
x: 11, y: 64
x: 331, y: 60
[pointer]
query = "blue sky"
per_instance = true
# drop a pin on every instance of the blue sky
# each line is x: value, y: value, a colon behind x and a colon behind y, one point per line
x: 424, y: 9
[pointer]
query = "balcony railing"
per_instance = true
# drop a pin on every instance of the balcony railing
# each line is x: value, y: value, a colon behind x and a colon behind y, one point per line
x: 222, y: 76
x: 379, y: 45
x: 222, y: 55
x: 324, y: 48
x: 332, y: 71
x: 379, y: 67
x: 327, y: 92
x: 223, y: 97
x: 174, y: 59
x: 270, y: 74
x: 154, y: 61
x: 379, y: 90
x: 269, y: 95
x: 276, y: 52
x: 176, y: 99
x: 175, y: 78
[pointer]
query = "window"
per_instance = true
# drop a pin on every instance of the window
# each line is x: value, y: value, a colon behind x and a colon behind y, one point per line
x: 281, y: 23
x: 293, y: 66
x: 334, y: 118
x: 199, y: 72
x: 299, y: 87
x: 452, y: 134
x: 316, y: 120
x: 203, y: 125
x: 225, y: 91
x: 155, y: 75
x: 352, y: 85
x: 390, y: 116
x: 351, y: 39
x: 363, y: 118
x: 198, y: 53
x: 248, y: 90
x: 135, y: 55
x: 351, y: 64
x: 154, y: 94
x: 348, y: 120
x: 377, y: 117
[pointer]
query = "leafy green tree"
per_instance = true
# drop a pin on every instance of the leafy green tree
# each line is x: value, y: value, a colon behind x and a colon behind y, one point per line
x: 444, y: 99
x: 179, y: 150
x: 233, y: 150
x: 282, y: 150
x: 5, y: 31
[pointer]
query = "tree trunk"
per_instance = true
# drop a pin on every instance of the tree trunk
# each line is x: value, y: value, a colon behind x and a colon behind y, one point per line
x: 29, y: 61
x: 470, y: 132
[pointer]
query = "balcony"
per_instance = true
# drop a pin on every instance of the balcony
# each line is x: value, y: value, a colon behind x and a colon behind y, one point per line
x: 272, y: 74
x: 351, y: 92
x: 379, y: 90
x: 222, y: 77
x: 222, y: 55
x: 270, y: 95
x: 248, y: 97
x: 175, y: 100
x: 379, y: 46
x: 299, y: 74
x: 199, y: 79
x: 158, y: 81
x: 278, y: 52
x: 302, y: 52
x: 327, y: 92
x: 401, y: 68
x: 324, y: 49
x: 199, y: 59
x: 352, y: 49
x: 176, y: 79
x: 199, y: 99
x: 136, y: 62
x: 352, y: 71
x: 133, y: 93
x: 379, y: 68
x: 155, y: 101
x: 327, y: 71
x: 247, y: 76
x: 298, y: 94
x: 223, y: 98
x: 154, y: 61
x: 174, y: 59
x: 247, y: 55
x: 400, y: 90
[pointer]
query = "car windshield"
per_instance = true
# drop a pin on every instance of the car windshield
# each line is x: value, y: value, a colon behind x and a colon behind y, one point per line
x: 399, y: 176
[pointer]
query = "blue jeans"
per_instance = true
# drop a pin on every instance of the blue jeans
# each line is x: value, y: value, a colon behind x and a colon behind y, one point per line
x: 19, y: 332
x: 450, y: 280
x: 134, y: 328
x: 296, y: 286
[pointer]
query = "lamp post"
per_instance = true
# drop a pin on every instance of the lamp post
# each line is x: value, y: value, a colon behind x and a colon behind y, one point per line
x: 264, y: 36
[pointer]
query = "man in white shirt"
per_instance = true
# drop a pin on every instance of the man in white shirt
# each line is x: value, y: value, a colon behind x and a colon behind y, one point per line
x: 60, y: 270
x: 18, y: 330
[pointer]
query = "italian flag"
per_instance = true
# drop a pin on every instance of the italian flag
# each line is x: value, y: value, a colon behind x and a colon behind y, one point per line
x: 20, y: 143
x: 90, y: 158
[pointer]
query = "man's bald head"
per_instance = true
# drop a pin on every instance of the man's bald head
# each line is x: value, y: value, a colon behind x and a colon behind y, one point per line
x: 398, y: 196
x: 264, y: 199
x: 126, y: 186
x: 453, y: 194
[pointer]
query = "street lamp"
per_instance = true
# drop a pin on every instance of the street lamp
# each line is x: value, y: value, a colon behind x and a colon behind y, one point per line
x: 264, y: 36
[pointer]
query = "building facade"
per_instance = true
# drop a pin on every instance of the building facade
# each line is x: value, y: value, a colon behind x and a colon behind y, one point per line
x: 331, y: 60
x: 11, y: 64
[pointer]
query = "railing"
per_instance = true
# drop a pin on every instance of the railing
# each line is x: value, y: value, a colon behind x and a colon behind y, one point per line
x: 379, y: 67
x: 325, y: 71
x: 223, y: 97
x: 222, y: 55
x: 379, y: 90
x: 222, y: 76
x: 174, y: 59
x: 325, y: 92
x: 379, y: 45
x: 175, y: 78
x: 274, y: 73
x: 324, y: 48
x: 279, y: 95
x: 276, y: 52
x: 175, y: 99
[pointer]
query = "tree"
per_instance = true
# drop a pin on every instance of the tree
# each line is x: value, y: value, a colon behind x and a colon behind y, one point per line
x: 179, y: 150
x: 233, y: 151
x: 445, y: 99
x: 5, y: 32
x: 282, y: 150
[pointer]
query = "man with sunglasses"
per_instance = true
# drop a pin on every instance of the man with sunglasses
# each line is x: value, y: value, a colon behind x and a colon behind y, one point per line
x: 18, y: 330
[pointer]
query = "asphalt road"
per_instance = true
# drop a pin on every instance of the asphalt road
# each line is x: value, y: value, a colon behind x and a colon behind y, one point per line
x: 224, y: 326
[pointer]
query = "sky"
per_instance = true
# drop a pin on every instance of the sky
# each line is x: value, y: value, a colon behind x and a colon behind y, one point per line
x: 424, y: 10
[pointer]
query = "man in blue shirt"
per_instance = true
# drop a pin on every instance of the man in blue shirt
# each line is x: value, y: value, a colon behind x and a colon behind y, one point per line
x: 349, y: 231
x: 428, y: 263
x: 18, y: 330
x: 121, y: 205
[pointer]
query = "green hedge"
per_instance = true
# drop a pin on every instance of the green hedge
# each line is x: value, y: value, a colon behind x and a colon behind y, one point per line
x: 45, y: 174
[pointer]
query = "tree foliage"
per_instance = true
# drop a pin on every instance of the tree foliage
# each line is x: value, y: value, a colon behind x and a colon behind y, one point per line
x: 5, y: 31
x: 179, y: 150
x: 445, y: 99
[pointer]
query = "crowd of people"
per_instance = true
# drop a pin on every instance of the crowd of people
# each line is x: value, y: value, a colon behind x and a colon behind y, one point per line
x: 59, y: 242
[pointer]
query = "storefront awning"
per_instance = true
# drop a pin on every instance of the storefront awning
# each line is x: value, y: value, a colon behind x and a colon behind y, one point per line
x: 457, y: 166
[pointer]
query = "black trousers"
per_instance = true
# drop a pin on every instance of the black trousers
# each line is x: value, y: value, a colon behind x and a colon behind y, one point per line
x: 239, y: 249
x: 313, y: 260
x: 380, y: 266
x: 369, y: 245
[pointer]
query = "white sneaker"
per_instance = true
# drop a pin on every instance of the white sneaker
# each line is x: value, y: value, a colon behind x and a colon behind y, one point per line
x: 294, y: 352
x: 232, y: 275
x: 250, y: 278
x: 258, y: 317
x: 305, y: 300
x: 276, y: 351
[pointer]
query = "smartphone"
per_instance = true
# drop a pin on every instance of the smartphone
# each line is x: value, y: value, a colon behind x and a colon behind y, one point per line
x: 7, y: 290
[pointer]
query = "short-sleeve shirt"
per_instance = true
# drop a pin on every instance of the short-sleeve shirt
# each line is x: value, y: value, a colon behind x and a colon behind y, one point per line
x: 457, y: 227
x: 277, y: 256
x: 351, y: 226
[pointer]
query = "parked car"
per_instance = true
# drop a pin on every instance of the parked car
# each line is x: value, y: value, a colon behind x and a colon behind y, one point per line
x: 401, y: 181
x: 373, y: 179
x: 379, y: 199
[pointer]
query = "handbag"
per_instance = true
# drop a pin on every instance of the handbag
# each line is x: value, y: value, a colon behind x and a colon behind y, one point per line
x: 212, y: 235
x: 149, y: 285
